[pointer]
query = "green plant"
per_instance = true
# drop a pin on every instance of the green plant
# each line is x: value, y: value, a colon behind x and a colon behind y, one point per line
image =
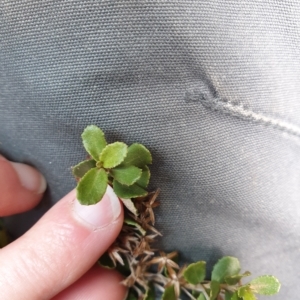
x: 123, y: 167
x: 148, y: 271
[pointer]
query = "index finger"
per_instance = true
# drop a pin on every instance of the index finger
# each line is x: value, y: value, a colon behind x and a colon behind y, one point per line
x: 21, y: 187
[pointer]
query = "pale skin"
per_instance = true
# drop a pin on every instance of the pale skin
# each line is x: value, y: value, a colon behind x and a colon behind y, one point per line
x: 56, y: 259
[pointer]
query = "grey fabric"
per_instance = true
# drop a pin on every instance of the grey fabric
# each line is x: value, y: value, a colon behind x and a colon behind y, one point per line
x: 211, y: 87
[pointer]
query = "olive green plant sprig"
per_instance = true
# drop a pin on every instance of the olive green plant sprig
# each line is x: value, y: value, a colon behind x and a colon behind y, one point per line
x: 123, y: 167
x: 147, y: 271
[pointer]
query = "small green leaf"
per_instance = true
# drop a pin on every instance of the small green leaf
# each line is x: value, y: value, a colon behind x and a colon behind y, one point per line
x: 145, y: 177
x: 126, y: 175
x: 80, y: 169
x: 113, y: 155
x: 92, y: 187
x: 235, y: 296
x: 169, y: 294
x: 126, y: 192
x: 195, y: 273
x: 249, y: 296
x: 228, y: 295
x: 226, y: 266
x: 214, y: 290
x: 201, y: 297
x: 93, y: 141
x: 124, y: 270
x: 106, y: 262
x: 265, y: 285
x: 233, y: 280
x: 150, y: 293
x: 245, y: 293
x: 128, y: 203
x: 135, y: 224
x: 138, y: 155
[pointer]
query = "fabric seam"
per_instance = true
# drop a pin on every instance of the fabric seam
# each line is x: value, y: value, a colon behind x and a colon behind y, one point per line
x: 238, y: 110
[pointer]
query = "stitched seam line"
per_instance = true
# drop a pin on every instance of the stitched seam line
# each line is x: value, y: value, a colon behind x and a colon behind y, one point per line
x: 246, y: 114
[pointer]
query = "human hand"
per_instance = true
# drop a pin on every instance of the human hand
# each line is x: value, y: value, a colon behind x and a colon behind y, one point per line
x: 56, y: 258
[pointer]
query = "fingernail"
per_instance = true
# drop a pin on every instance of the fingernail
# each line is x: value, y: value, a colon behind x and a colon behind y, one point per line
x: 30, y: 178
x: 101, y: 214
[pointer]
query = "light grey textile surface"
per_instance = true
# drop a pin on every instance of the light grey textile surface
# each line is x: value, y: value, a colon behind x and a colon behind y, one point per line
x: 211, y: 87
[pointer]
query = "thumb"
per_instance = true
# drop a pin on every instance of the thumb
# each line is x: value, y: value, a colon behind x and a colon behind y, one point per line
x: 60, y: 248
